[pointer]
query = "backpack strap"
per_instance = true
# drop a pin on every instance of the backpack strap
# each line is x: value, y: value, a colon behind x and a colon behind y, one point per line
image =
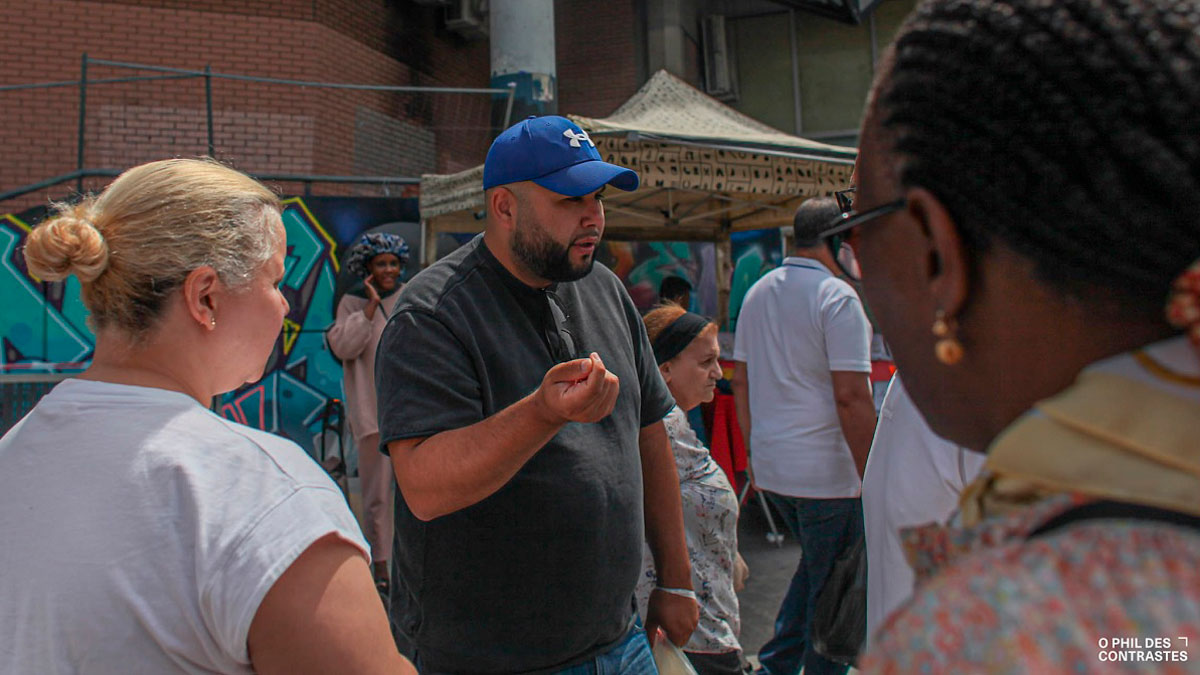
x: 1112, y: 510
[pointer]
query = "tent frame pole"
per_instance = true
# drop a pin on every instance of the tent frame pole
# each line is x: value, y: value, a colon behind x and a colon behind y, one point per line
x: 724, y: 264
x: 429, y: 235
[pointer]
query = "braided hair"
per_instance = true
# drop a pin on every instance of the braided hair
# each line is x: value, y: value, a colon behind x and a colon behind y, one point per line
x: 1069, y: 130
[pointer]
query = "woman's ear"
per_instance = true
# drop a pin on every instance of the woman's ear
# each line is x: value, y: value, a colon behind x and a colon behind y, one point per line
x: 665, y: 369
x: 948, y: 272
x: 200, y: 290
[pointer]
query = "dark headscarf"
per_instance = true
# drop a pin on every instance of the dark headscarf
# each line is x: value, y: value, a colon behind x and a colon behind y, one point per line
x: 677, y: 336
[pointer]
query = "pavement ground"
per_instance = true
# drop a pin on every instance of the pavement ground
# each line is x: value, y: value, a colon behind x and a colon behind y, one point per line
x: 771, y: 568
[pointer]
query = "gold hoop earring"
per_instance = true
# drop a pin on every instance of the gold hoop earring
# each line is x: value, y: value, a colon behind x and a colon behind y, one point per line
x: 948, y: 349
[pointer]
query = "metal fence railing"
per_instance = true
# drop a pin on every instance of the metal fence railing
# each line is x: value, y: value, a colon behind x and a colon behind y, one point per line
x: 301, y: 136
x: 306, y: 135
x: 20, y: 392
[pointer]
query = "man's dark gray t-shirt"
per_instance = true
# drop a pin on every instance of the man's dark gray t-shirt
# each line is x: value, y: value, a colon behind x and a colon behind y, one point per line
x: 540, y: 575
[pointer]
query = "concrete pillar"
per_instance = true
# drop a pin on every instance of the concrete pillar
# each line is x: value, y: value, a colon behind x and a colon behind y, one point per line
x: 671, y: 28
x: 665, y: 39
x: 522, y: 46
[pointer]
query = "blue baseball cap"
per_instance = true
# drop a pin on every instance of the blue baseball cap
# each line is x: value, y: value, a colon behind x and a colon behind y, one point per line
x: 556, y: 154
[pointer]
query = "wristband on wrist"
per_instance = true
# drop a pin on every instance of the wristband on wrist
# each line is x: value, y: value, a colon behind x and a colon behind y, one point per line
x: 681, y: 592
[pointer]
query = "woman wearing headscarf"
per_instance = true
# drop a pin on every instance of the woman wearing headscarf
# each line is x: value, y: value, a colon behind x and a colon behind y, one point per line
x: 685, y: 347
x: 1028, y: 227
x: 378, y: 259
x: 143, y: 532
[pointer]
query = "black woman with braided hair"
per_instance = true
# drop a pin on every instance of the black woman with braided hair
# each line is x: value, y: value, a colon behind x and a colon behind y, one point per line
x: 1027, y: 219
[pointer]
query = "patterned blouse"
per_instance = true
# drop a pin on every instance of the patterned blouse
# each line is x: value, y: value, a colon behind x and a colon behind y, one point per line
x: 1097, y: 596
x: 710, y: 512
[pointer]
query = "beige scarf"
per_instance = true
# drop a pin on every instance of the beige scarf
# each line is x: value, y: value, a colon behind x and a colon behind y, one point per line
x: 1106, y: 436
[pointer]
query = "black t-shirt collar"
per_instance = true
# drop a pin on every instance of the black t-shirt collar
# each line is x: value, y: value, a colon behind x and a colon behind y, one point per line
x: 536, y: 303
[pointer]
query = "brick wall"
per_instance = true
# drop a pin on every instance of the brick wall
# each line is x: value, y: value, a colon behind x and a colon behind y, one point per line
x: 277, y: 9
x: 271, y: 128
x: 595, y: 48
x: 258, y: 127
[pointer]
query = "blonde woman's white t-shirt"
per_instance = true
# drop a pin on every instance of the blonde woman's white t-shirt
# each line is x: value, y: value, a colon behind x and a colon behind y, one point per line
x: 141, y: 531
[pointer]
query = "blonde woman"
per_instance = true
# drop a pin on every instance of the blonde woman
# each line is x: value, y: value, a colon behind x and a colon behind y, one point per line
x: 142, y: 532
x: 686, y: 350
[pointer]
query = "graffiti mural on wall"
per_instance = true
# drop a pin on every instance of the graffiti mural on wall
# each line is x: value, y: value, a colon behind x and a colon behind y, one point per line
x: 43, y: 325
x: 754, y: 254
x: 301, y: 374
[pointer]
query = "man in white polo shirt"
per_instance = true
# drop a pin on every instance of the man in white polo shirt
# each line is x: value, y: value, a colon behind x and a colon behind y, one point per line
x: 803, y: 395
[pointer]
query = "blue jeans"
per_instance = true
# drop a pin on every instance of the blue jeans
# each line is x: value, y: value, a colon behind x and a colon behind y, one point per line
x: 824, y: 527
x: 631, y: 655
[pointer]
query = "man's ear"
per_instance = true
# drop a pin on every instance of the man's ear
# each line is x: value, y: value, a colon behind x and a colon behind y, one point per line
x: 200, y: 290
x: 503, y: 205
x: 948, y: 271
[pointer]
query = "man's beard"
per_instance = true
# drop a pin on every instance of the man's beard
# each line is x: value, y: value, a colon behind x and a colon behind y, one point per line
x: 545, y: 257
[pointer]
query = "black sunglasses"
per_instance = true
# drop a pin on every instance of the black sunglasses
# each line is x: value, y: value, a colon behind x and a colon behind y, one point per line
x: 847, y: 220
x: 558, y: 338
x: 850, y: 219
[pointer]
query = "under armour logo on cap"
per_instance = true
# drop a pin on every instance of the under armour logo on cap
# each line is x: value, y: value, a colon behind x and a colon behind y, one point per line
x: 554, y: 153
x: 577, y: 137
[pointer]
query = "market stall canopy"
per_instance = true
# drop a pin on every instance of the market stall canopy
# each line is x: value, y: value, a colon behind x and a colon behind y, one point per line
x: 706, y: 169
x: 667, y: 108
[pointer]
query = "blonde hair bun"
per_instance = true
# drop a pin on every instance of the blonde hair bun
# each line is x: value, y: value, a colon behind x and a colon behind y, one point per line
x: 67, y: 244
x: 134, y: 244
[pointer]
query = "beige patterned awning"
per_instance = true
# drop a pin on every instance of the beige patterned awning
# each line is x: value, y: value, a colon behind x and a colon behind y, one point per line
x: 442, y: 194
x: 666, y: 107
x: 705, y: 170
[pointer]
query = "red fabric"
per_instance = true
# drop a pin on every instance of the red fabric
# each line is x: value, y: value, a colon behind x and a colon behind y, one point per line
x: 725, y: 441
x: 882, y: 371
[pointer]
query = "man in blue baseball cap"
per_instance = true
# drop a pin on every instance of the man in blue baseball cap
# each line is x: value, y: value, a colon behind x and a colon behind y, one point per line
x: 542, y: 163
x: 522, y: 408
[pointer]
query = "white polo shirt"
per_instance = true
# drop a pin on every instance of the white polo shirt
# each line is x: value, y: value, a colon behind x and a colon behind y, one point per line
x: 798, y: 323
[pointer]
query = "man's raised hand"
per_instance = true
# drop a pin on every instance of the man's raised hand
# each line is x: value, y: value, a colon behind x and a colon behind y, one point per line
x: 579, y: 391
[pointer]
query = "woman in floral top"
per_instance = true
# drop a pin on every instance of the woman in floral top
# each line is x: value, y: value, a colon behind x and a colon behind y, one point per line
x: 685, y: 346
x: 1027, y: 204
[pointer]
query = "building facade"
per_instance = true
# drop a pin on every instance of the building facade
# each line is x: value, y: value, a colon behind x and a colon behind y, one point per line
x: 102, y: 85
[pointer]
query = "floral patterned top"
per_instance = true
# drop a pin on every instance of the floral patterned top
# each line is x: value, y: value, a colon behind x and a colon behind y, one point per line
x: 710, y: 512
x: 1103, y: 596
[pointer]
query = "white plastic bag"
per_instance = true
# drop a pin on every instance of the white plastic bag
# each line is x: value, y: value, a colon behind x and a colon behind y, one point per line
x: 669, y: 658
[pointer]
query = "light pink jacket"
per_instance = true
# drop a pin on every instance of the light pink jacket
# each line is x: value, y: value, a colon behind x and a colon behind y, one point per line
x: 353, y: 339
